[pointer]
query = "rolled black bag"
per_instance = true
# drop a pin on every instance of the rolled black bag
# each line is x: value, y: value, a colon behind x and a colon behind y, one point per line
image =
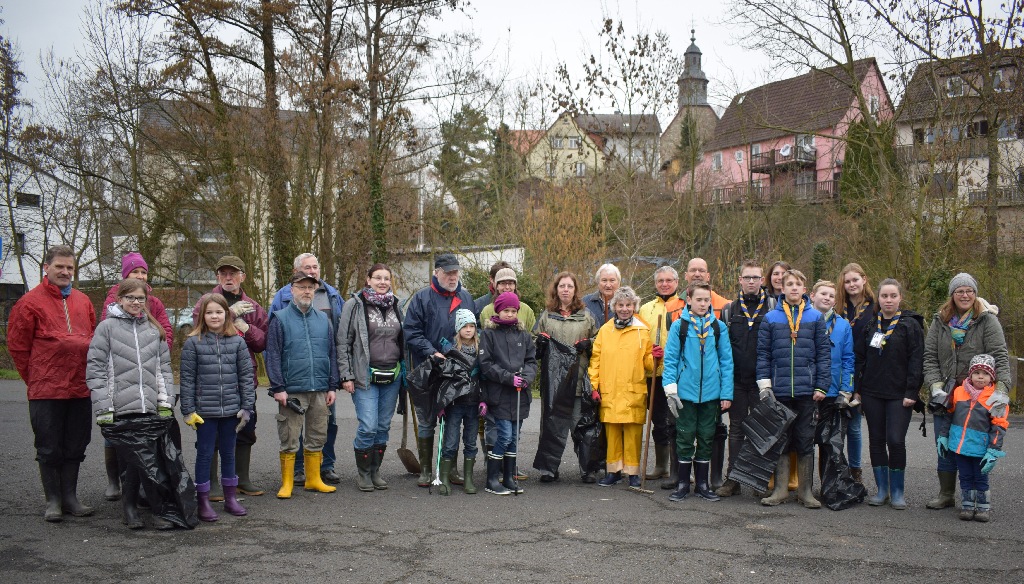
x: 764, y: 429
x: 559, y: 374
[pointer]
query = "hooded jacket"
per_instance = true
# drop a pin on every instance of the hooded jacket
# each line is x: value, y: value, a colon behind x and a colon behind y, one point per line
x: 429, y: 324
x: 843, y: 361
x: 353, y: 340
x: 699, y: 375
x: 895, y: 372
x: 258, y: 321
x: 942, y: 358
x: 619, y: 363
x: 155, y: 306
x: 794, y: 369
x: 48, y: 337
x: 504, y: 351
x: 129, y: 368
x: 216, y: 376
x: 568, y: 330
x: 975, y: 426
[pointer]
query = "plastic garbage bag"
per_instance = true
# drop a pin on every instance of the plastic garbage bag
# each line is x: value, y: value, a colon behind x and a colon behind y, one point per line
x: 420, y: 390
x: 452, y: 378
x: 145, y: 444
x: 838, y: 489
x: 590, y: 443
x: 764, y: 428
x: 559, y: 374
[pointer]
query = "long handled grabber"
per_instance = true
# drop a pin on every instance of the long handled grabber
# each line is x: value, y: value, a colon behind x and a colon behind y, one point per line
x: 516, y: 468
x: 647, y: 423
x: 440, y: 446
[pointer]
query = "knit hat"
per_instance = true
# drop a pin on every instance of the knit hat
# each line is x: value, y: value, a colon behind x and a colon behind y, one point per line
x: 130, y: 261
x: 963, y: 279
x: 462, y: 318
x: 505, y: 275
x: 506, y: 300
x: 984, y: 362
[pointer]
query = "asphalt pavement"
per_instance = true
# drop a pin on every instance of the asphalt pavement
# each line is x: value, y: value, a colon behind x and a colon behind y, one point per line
x: 558, y: 532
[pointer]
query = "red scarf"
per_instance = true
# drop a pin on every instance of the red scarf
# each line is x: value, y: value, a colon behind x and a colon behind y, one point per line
x: 456, y: 301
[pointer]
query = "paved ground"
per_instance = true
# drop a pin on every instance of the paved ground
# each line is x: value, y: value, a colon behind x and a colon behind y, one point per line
x: 557, y: 532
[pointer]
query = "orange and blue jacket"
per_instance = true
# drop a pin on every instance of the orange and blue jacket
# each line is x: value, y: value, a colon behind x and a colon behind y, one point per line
x: 974, y: 427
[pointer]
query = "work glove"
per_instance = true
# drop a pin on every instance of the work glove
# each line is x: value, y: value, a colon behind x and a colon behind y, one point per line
x: 675, y: 405
x: 105, y: 418
x: 595, y: 395
x: 765, y: 389
x: 243, y: 419
x: 657, y: 352
x: 241, y: 325
x: 1000, y: 397
x: 241, y: 308
x: 583, y: 345
x: 988, y: 462
x: 939, y: 398
x: 519, y: 381
x: 483, y: 408
x: 942, y: 446
x: 164, y: 410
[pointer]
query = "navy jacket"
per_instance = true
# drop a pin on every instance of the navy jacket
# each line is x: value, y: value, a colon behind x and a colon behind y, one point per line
x: 595, y: 304
x: 794, y: 369
x: 429, y: 324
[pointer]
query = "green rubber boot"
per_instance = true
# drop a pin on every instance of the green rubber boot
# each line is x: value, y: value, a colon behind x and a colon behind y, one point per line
x: 467, y: 476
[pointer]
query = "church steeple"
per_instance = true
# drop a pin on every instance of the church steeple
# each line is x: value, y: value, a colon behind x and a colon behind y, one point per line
x: 693, y: 85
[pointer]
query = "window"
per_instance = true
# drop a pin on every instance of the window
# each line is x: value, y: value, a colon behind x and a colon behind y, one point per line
x: 716, y: 161
x: 873, y: 106
x: 942, y: 185
x: 954, y: 134
x: 1001, y: 81
x: 1008, y: 128
x: 929, y: 136
x: 755, y: 149
x: 954, y: 87
x: 574, y: 142
x: 556, y: 143
x: 739, y: 156
x: 918, y: 136
x: 29, y: 200
x: 550, y: 169
x: 19, y: 243
x: 581, y: 169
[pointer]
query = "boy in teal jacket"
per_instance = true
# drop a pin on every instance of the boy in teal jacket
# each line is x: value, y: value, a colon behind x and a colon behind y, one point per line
x: 698, y: 380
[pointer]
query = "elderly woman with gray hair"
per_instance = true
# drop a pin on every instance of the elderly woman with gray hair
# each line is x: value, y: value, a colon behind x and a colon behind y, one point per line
x: 599, y: 303
x: 620, y: 361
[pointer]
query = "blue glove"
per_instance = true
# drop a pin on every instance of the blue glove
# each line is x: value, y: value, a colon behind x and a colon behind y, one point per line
x: 988, y: 462
x: 942, y: 446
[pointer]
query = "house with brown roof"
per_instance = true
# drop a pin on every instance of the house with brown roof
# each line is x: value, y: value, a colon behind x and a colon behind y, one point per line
x: 786, y: 139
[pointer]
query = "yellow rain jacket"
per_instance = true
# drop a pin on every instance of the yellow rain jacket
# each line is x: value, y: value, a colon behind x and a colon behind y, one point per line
x: 619, y: 364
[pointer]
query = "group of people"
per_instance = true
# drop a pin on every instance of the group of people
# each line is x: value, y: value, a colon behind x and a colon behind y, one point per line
x: 701, y: 355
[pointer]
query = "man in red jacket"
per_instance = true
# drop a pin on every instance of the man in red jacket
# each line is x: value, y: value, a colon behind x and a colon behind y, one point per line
x: 48, y: 335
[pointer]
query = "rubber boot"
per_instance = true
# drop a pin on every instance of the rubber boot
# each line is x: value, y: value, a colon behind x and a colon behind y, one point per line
x: 50, y: 476
x: 728, y: 489
x: 670, y: 483
x: 446, y: 477
x: 216, y: 494
x: 661, y: 462
x: 983, y: 506
x: 716, y: 477
x: 113, y: 490
x: 453, y: 474
x: 805, y: 472
x: 947, y: 491
x: 494, y: 464
x: 426, y: 451
x: 69, y: 491
x: 376, y: 460
x: 312, y: 460
x: 287, y: 475
x: 243, y: 454
x: 702, y: 468
x: 509, y: 471
x: 967, y: 507
x: 130, y: 498
x: 882, y: 480
x: 231, y: 504
x: 206, y: 512
x: 467, y: 475
x: 682, y: 480
x: 364, y: 460
x: 896, y: 500
x: 780, y: 492
x: 794, y: 475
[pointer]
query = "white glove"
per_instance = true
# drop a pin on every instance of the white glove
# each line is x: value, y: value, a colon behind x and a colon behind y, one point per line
x: 242, y: 307
x: 999, y: 398
x: 241, y: 325
x: 675, y: 405
x: 765, y: 387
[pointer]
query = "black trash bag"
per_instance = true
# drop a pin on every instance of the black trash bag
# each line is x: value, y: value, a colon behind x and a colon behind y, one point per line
x: 452, y: 378
x: 144, y: 443
x: 421, y: 390
x: 590, y: 443
x: 838, y: 489
x: 559, y: 374
x: 765, y: 430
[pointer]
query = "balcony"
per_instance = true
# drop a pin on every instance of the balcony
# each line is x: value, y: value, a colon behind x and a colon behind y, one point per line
x: 758, y: 194
x: 786, y: 158
x: 1006, y: 196
x: 946, y: 150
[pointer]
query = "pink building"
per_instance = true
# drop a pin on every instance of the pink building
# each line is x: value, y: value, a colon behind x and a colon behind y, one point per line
x: 787, y: 138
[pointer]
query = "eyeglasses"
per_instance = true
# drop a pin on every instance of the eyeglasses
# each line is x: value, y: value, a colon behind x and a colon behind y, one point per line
x: 751, y: 278
x: 967, y: 292
x: 135, y: 299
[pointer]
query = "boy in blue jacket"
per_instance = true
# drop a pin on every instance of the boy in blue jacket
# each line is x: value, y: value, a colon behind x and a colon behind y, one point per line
x: 794, y: 362
x: 698, y: 383
x: 840, y: 334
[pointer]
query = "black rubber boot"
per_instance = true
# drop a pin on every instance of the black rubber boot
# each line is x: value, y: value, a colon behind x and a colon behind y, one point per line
x: 130, y: 498
x: 363, y: 462
x: 702, y: 469
x: 216, y: 492
x: 243, y: 454
x: 682, y: 480
x: 113, y: 490
x: 509, y: 472
x: 426, y: 452
x: 50, y: 475
x: 69, y: 491
x: 718, y: 455
x: 494, y: 464
x: 669, y: 484
x: 376, y: 459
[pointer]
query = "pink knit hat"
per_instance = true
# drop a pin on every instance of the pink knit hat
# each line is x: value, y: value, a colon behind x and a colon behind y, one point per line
x: 130, y: 261
x: 506, y: 300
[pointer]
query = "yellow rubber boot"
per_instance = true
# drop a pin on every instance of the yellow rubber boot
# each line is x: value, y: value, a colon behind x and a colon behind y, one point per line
x: 287, y: 475
x: 313, y: 480
x: 794, y: 477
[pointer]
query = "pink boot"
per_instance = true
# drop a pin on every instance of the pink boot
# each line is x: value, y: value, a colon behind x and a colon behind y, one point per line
x: 231, y: 504
x: 206, y: 512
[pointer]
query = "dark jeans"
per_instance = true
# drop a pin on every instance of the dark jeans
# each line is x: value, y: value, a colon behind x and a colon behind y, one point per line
x: 664, y: 431
x: 971, y: 477
x: 743, y: 400
x: 62, y: 427
x: 696, y: 423
x: 888, y: 422
x: 801, y: 433
x: 464, y: 419
x: 211, y: 434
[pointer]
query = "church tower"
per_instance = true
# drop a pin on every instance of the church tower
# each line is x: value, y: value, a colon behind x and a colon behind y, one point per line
x: 693, y: 84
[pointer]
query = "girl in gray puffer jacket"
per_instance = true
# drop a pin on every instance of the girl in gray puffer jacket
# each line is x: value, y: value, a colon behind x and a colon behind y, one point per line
x: 217, y: 398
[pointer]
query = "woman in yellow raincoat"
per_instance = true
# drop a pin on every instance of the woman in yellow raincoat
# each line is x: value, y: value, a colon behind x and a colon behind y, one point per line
x: 619, y: 364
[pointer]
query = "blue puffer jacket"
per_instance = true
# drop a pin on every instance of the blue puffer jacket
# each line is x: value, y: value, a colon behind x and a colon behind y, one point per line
x: 284, y: 296
x: 794, y: 369
x: 699, y: 377
x: 216, y: 376
x: 301, y: 354
x: 429, y: 324
x: 842, y: 355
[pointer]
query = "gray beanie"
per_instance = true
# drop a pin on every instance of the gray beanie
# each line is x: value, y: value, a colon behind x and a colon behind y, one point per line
x: 462, y: 318
x: 963, y: 279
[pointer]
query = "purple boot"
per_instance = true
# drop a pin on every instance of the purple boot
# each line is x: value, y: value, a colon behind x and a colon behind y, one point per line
x: 206, y: 512
x: 231, y: 504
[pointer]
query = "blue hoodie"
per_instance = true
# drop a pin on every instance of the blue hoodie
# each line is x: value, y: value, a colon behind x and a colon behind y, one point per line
x: 794, y: 369
x: 699, y: 377
x: 842, y: 355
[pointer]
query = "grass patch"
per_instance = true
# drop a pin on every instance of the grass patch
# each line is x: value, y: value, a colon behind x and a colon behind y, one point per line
x: 9, y: 374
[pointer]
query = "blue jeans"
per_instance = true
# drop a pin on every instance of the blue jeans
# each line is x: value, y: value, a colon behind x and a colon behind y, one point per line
x: 854, y: 443
x: 216, y: 433
x: 467, y: 419
x: 329, y: 456
x: 971, y: 476
x: 506, y: 437
x: 375, y: 406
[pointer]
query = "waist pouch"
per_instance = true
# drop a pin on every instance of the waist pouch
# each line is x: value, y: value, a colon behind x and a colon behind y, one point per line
x: 384, y: 376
